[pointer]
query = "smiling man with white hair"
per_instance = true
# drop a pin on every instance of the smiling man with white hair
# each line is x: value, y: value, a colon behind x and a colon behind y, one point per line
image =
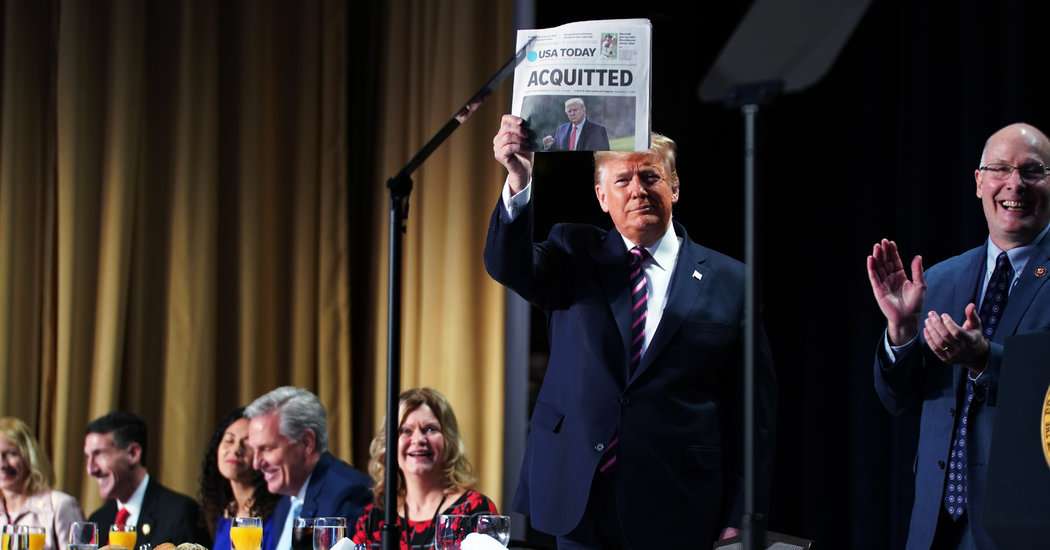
x: 288, y: 433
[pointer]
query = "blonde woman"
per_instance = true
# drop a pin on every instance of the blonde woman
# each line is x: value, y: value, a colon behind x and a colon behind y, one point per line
x: 435, y: 475
x: 26, y: 496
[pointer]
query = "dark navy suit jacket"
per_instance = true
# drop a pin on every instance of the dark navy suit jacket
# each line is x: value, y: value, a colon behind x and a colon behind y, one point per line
x: 679, y: 417
x: 166, y: 516
x: 593, y: 137
x: 919, y: 383
x: 336, y: 490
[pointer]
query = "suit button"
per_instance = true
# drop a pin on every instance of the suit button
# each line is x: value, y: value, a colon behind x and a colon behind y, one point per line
x: 625, y: 401
x: 940, y: 464
x: 599, y: 447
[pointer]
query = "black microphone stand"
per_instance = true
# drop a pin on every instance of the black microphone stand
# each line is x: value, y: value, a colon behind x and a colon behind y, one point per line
x: 400, y: 188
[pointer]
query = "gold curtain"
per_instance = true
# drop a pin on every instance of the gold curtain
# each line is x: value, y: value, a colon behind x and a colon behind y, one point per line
x: 177, y: 224
x: 437, y: 55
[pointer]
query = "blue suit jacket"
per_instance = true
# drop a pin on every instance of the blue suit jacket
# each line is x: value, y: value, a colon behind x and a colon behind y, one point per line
x: 593, y: 137
x: 336, y: 490
x: 919, y: 383
x: 679, y: 417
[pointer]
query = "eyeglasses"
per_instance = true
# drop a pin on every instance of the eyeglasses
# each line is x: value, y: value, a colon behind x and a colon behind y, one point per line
x: 1032, y: 172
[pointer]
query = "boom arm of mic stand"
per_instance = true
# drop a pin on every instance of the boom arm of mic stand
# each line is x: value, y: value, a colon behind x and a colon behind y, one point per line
x: 400, y: 188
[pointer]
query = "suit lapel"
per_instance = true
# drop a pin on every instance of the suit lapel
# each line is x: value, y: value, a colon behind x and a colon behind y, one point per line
x: 563, y: 136
x: 685, y: 289
x: 1023, y: 293
x: 581, y: 140
x: 970, y: 278
x: 280, y: 515
x: 612, y: 264
x: 313, y: 490
x: 148, y: 515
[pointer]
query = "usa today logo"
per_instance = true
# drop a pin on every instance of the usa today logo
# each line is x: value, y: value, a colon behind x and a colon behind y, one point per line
x: 551, y: 53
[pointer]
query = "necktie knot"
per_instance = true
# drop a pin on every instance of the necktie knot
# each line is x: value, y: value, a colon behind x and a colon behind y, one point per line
x: 122, y: 516
x: 637, y: 255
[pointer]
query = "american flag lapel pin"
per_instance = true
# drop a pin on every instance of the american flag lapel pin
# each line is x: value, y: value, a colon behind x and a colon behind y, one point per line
x: 697, y: 275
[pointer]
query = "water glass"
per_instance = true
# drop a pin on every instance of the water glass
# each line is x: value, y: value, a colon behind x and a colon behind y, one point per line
x: 328, y: 531
x: 497, y: 527
x: 13, y: 539
x: 450, y: 530
x: 83, y: 535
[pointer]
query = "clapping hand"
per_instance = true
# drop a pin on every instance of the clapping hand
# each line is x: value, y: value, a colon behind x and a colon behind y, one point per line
x: 899, y: 298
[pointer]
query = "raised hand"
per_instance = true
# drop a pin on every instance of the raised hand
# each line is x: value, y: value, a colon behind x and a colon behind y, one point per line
x: 511, y: 149
x: 899, y: 298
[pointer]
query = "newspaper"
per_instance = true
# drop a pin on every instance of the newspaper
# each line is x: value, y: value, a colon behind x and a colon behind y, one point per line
x: 597, y: 72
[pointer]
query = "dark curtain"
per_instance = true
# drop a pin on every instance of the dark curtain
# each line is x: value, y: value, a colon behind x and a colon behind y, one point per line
x: 885, y: 145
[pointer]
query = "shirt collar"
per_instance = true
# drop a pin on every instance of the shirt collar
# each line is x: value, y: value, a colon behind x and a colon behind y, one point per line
x: 301, y: 495
x: 1019, y: 255
x: 134, y: 504
x: 663, y: 251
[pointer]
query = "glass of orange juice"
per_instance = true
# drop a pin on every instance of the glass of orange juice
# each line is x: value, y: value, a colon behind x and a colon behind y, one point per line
x: 246, y: 534
x: 35, y: 534
x: 122, y: 535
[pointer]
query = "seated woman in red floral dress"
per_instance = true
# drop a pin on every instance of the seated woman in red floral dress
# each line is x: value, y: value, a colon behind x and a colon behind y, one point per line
x: 436, y: 477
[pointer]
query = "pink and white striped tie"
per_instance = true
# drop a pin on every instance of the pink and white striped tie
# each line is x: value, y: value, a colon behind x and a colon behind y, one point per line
x: 639, y: 306
x: 639, y: 303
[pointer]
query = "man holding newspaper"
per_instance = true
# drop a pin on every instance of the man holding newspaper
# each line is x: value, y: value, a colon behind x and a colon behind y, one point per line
x: 636, y: 437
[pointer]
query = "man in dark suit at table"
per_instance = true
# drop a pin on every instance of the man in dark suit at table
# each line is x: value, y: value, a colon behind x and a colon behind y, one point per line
x: 115, y: 447
x: 949, y: 370
x: 289, y: 434
x: 636, y: 436
x: 579, y: 133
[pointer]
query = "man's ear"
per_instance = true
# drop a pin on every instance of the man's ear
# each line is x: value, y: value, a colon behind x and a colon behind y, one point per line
x: 134, y: 451
x: 600, y: 193
x: 309, y: 441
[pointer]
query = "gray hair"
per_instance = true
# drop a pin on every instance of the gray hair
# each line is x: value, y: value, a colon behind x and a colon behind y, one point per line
x: 297, y: 409
x: 575, y: 100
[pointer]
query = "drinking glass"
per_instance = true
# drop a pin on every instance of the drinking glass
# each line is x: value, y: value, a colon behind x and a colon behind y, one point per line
x: 497, y: 527
x: 303, y: 534
x: 123, y: 535
x: 246, y: 534
x: 449, y: 531
x: 83, y: 535
x: 12, y: 540
x: 34, y: 536
x: 328, y: 531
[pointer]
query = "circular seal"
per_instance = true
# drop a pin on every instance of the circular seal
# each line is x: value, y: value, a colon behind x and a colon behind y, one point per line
x: 1040, y: 271
x: 1044, y: 425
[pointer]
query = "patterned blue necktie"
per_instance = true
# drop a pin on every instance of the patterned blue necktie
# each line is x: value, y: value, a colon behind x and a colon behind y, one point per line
x: 955, y: 496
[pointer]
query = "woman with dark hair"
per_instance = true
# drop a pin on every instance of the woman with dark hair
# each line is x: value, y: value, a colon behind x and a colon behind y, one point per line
x: 434, y: 475
x: 230, y: 488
